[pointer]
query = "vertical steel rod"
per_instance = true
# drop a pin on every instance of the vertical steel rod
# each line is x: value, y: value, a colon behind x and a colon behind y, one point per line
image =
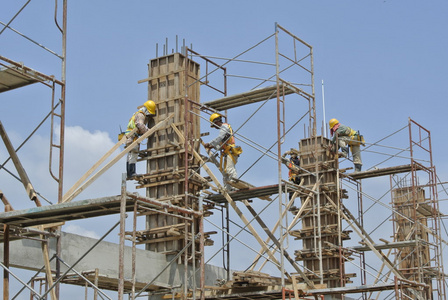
x: 279, y: 153
x: 6, y: 258
x: 122, y: 239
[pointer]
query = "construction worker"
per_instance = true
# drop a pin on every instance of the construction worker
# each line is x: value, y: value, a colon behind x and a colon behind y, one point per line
x: 225, y: 142
x: 294, y: 162
x: 293, y: 165
x: 293, y: 174
x: 347, y: 137
x: 140, y: 119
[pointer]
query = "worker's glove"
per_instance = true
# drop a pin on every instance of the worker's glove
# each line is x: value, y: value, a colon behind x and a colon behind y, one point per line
x: 208, y: 146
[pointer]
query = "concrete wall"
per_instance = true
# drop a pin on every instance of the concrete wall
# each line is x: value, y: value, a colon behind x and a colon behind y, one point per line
x: 27, y: 254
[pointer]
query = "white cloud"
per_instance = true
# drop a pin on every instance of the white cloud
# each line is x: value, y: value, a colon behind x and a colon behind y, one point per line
x: 76, y: 229
x: 82, y: 150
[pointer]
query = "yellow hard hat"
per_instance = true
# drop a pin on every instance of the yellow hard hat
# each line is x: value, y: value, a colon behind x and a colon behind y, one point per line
x: 333, y: 122
x: 213, y: 117
x: 150, y: 106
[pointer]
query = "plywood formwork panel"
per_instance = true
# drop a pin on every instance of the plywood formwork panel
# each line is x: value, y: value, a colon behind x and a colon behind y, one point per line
x: 173, y: 83
x: 316, y: 158
x: 410, y: 224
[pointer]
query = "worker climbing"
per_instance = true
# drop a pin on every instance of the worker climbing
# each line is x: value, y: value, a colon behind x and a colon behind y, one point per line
x: 346, y: 137
x: 139, y: 120
x: 293, y: 164
x: 225, y: 143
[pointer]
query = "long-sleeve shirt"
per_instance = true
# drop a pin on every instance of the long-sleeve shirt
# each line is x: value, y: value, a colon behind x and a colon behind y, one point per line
x: 140, y: 123
x: 342, y: 131
x: 224, y: 135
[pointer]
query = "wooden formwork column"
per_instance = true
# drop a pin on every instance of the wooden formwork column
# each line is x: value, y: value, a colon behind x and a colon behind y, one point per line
x: 172, y: 83
x: 410, y: 224
x: 316, y: 158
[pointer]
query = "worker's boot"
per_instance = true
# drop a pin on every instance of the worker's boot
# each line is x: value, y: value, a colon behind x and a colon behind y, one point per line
x: 130, y: 170
x: 358, y: 167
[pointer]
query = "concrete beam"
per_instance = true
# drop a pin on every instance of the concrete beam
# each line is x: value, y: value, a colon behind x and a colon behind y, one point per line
x: 27, y: 254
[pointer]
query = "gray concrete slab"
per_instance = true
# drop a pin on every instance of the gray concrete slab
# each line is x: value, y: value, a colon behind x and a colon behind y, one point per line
x: 27, y: 254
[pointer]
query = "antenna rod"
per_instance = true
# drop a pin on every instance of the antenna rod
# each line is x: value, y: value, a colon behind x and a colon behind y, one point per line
x: 323, y: 104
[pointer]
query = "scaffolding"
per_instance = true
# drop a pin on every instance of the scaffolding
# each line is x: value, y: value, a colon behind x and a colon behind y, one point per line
x: 180, y: 199
x: 15, y: 75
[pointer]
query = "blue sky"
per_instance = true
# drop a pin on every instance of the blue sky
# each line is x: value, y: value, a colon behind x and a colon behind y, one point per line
x: 381, y: 61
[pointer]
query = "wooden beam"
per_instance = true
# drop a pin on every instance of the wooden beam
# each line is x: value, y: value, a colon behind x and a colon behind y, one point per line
x: 23, y: 176
x: 46, y: 258
x: 70, y: 197
x: 382, y: 172
x: 364, y: 235
x: 5, y: 201
x: 274, y: 229
x: 379, y: 273
x: 96, y: 165
x: 95, y: 282
x: 297, y: 216
x: 356, y: 289
x: 390, y: 245
x: 277, y: 243
x: 253, y: 96
x: 234, y: 206
x: 294, y: 287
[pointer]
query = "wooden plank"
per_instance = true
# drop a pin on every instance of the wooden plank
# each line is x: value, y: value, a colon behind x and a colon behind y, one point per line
x: 95, y: 282
x: 297, y: 216
x: 236, y: 209
x: 160, y: 240
x: 368, y: 240
x: 159, y: 229
x: 50, y: 225
x: 389, y: 245
x: 357, y: 289
x: 250, y: 193
x: 294, y: 287
x: 22, y: 173
x: 160, y: 183
x: 96, y: 165
x: 165, y: 153
x: 382, y: 172
x: 284, y: 212
x: 158, y: 77
x: 253, y: 96
x: 117, y: 158
x: 5, y: 200
x: 46, y: 258
x: 271, y: 235
x: 241, y: 185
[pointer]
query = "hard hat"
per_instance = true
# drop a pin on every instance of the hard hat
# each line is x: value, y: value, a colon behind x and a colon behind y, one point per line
x: 333, y: 122
x: 150, y: 106
x: 213, y: 117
